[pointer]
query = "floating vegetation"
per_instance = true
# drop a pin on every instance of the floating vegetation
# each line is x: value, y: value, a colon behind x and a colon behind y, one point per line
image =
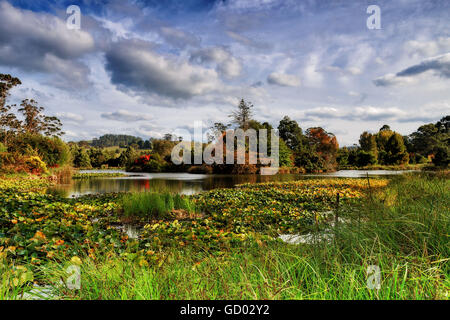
x: 78, y: 176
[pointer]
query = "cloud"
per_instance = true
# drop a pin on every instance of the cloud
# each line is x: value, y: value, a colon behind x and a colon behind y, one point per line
x: 41, y: 42
x: 311, y: 72
x: 70, y: 117
x: 179, y: 38
x: 125, y: 116
x: 354, y: 71
x: 248, y: 41
x: 440, y: 65
x: 227, y: 65
x: 283, y: 79
x: 369, y: 113
x: 134, y: 65
x: 428, y: 48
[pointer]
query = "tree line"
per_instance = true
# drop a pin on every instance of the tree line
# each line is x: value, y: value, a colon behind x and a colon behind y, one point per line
x: 26, y: 131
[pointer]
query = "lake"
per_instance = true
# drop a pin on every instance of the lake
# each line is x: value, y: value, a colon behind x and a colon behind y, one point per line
x: 187, y: 183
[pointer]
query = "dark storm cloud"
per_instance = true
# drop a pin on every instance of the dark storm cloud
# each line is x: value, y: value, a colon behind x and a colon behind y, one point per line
x: 440, y: 65
x: 125, y: 116
x: 135, y: 66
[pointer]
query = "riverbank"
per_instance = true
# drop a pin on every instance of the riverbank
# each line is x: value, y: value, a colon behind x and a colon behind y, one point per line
x: 233, y: 250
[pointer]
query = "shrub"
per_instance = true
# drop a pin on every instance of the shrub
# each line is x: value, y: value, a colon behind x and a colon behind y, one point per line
x: 365, y: 158
x: 35, y: 165
x: 442, y: 157
x: 152, y: 166
x: 52, y: 150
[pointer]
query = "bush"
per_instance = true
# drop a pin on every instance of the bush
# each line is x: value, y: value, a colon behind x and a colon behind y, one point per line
x: 442, y: 157
x: 365, y: 158
x: 35, y: 165
x: 52, y: 150
x: 3, y: 148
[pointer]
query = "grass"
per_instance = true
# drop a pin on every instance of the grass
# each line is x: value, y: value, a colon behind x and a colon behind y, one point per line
x: 402, y: 228
x: 401, y: 167
x: 155, y: 205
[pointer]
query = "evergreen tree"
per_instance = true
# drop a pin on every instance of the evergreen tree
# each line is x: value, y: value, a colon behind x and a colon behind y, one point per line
x: 242, y: 116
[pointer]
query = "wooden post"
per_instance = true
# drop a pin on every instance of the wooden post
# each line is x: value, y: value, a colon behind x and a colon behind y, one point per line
x: 336, y: 213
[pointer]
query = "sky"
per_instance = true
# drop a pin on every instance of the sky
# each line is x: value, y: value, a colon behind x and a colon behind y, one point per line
x: 147, y: 68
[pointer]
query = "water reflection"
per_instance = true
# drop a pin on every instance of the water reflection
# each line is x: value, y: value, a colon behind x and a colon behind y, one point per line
x: 184, y: 183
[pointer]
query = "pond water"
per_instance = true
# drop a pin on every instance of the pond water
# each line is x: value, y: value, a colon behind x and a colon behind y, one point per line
x: 185, y: 183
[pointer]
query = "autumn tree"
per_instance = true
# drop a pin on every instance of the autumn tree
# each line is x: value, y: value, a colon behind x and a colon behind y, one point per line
x: 322, y: 150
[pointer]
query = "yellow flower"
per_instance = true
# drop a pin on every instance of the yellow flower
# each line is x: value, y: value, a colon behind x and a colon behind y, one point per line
x: 39, y: 236
x: 76, y: 260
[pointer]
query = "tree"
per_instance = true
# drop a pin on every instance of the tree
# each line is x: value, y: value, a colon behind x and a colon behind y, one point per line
x: 52, y: 150
x: 162, y: 147
x: 8, y: 120
x: 217, y: 130
x: 368, y: 143
x: 365, y: 158
x: 127, y: 157
x: 285, y: 153
x: 111, y: 140
x: 242, y: 115
x: 396, y: 150
x: 7, y: 82
x: 81, y: 158
x: 168, y: 137
x: 342, y: 156
x: 291, y: 133
x: 35, y: 122
x: 325, y: 144
x: 433, y: 139
x: 442, y: 157
x: 97, y: 157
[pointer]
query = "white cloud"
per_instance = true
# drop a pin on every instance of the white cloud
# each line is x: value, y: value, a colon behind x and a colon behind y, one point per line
x: 312, y: 77
x: 69, y: 116
x: 179, y: 38
x: 226, y: 63
x: 427, y: 48
x: 282, y: 79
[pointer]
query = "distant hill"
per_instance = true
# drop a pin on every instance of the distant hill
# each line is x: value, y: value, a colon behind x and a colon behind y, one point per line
x: 121, y: 140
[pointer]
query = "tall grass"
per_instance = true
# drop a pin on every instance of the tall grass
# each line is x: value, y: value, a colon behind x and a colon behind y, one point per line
x: 155, y: 204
